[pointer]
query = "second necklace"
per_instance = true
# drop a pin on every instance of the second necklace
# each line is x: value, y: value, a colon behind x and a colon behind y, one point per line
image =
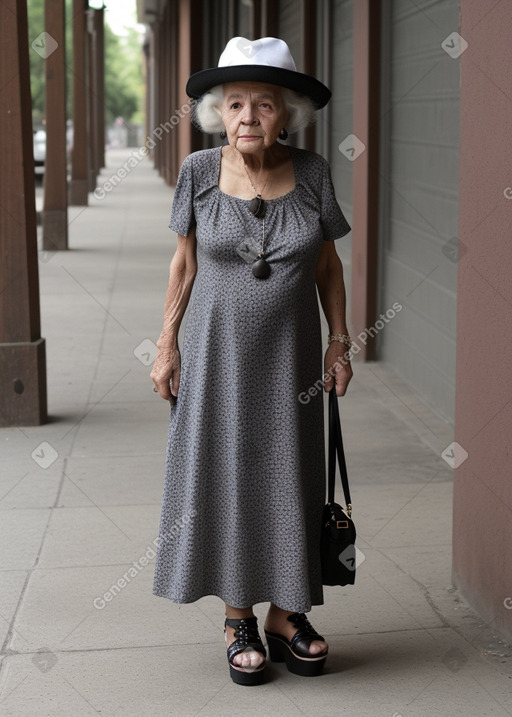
x: 260, y: 267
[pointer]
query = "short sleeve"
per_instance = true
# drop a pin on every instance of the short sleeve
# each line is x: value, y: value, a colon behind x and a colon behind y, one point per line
x: 182, y: 213
x: 332, y: 219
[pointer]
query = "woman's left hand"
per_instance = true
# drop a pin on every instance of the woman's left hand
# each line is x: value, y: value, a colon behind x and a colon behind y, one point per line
x: 337, y: 368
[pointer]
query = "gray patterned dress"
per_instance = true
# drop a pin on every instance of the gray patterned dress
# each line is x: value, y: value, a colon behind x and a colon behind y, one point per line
x: 245, y: 479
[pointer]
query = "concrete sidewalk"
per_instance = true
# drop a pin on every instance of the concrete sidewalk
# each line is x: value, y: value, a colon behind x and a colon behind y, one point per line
x: 80, y: 504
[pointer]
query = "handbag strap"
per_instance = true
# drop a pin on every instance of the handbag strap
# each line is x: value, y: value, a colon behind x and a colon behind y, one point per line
x: 336, y: 447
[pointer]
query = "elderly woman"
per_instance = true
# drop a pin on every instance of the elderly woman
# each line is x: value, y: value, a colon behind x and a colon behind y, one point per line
x: 245, y: 479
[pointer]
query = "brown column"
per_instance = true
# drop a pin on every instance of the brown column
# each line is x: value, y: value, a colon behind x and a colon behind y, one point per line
x: 147, y: 60
x: 365, y: 171
x: 232, y: 17
x: 309, y: 58
x: 173, y: 71
x: 155, y: 148
x: 269, y: 18
x: 256, y: 20
x: 482, y: 515
x: 55, y: 211
x: 189, y: 61
x: 91, y: 95
x: 22, y: 350
x: 99, y: 85
x: 79, y: 186
x: 165, y: 137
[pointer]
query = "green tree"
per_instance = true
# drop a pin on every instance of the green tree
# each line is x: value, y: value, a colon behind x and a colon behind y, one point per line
x: 35, y: 9
x: 123, y: 69
x: 123, y: 76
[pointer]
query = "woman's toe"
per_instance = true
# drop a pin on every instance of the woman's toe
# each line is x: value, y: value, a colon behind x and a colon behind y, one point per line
x: 317, y: 646
x: 256, y: 659
x: 248, y: 658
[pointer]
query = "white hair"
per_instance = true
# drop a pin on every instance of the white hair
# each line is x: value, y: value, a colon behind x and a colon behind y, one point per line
x: 207, y: 111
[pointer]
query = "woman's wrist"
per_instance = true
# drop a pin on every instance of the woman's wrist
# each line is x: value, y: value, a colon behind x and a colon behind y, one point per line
x: 342, y: 337
x: 166, y: 344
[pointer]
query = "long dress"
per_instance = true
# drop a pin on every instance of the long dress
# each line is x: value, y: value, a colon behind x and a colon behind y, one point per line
x: 245, y: 469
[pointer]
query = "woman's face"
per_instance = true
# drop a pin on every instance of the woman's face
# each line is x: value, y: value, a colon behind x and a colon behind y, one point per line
x: 253, y: 114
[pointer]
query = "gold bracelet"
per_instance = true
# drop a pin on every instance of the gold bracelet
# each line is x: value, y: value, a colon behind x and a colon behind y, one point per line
x: 342, y: 338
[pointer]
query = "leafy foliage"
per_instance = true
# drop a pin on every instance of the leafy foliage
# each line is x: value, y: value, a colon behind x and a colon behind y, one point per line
x: 123, y: 69
x: 123, y: 76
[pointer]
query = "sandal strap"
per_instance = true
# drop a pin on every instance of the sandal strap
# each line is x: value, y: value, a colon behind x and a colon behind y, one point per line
x: 246, y: 634
x: 305, y: 634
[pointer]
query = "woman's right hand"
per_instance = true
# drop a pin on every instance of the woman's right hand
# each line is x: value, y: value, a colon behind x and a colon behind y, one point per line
x: 166, y: 372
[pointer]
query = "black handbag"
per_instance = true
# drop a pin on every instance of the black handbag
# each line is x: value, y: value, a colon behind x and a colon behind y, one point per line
x: 337, y: 543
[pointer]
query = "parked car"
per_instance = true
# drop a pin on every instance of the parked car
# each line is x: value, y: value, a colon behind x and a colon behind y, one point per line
x: 39, y: 151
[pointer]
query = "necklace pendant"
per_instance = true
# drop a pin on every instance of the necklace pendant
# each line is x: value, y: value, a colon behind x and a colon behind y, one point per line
x: 261, y: 268
x: 257, y: 206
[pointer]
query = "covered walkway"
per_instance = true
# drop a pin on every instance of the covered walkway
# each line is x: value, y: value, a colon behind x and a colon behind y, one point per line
x: 80, y: 630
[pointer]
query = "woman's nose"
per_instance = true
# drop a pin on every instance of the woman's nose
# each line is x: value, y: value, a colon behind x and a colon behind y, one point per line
x: 249, y: 116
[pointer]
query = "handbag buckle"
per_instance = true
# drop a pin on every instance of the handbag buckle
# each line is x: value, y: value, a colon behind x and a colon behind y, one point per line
x: 341, y: 524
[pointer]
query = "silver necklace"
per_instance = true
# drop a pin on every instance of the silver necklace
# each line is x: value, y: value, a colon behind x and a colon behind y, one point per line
x: 260, y: 267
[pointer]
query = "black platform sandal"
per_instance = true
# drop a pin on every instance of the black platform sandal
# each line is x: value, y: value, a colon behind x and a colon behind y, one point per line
x: 295, y: 652
x: 246, y: 638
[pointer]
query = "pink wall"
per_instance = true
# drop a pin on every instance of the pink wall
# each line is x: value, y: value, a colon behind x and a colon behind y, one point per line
x: 366, y: 178
x: 482, y: 530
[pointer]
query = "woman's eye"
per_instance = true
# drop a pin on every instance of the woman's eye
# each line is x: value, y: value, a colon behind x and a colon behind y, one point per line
x: 235, y: 105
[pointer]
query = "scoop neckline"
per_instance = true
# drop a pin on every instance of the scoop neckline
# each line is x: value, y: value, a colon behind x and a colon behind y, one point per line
x: 274, y: 199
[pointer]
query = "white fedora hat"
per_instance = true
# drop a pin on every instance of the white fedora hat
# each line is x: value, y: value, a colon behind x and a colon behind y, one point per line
x: 265, y: 60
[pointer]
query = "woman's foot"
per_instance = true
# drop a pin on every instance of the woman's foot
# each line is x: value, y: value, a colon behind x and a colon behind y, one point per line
x: 293, y: 640
x: 245, y: 651
x: 277, y: 622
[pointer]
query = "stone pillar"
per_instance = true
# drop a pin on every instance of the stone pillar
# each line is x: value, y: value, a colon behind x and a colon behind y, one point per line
x: 79, y: 187
x: 22, y: 350
x: 55, y: 210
